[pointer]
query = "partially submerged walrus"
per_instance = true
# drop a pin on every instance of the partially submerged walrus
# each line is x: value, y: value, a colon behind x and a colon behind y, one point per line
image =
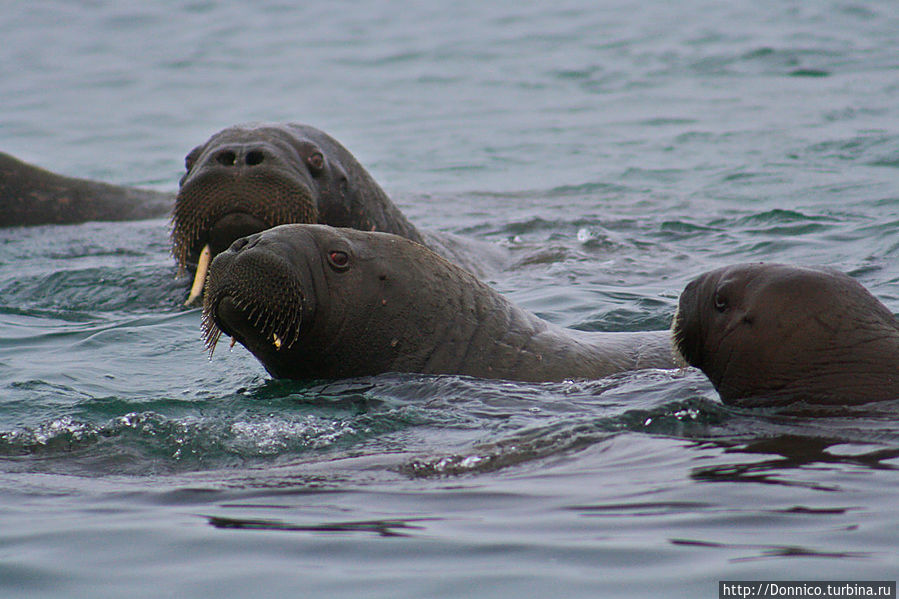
x: 316, y: 302
x: 244, y: 179
x: 769, y: 334
x: 30, y: 195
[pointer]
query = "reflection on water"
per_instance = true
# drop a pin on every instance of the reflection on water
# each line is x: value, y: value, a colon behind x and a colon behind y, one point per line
x: 383, y: 528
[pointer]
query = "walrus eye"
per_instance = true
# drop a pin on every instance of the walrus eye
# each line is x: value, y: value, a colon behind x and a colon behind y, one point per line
x: 316, y: 162
x: 339, y: 260
x: 720, y: 302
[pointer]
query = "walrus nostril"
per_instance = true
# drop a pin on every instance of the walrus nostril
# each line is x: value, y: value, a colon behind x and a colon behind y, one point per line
x: 254, y: 157
x: 239, y: 244
x: 226, y: 158
x: 244, y: 243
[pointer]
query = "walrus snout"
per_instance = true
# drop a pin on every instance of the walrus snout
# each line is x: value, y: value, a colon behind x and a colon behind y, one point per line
x: 230, y: 191
x: 255, y: 296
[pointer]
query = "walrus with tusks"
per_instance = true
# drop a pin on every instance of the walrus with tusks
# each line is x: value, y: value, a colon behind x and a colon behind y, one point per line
x: 244, y: 179
x: 249, y: 178
x: 317, y: 302
x: 769, y: 334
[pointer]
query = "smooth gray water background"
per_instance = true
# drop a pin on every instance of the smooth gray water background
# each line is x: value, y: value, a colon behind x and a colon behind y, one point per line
x: 617, y: 149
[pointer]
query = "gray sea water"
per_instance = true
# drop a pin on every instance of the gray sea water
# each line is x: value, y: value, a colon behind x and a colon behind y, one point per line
x: 617, y: 150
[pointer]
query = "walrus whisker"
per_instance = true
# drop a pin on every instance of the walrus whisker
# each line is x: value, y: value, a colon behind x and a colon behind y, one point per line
x: 211, y: 332
x: 212, y: 342
x: 281, y: 327
x: 201, y: 205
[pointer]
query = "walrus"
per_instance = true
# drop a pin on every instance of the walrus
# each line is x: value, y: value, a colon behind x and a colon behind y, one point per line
x: 249, y: 178
x: 30, y: 195
x: 244, y: 179
x: 771, y: 334
x: 318, y: 302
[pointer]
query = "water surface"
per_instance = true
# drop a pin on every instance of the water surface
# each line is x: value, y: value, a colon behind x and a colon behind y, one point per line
x: 617, y: 153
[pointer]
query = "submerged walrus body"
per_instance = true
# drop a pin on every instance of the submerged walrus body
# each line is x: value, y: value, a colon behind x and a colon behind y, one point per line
x: 316, y: 302
x: 30, y: 195
x: 768, y: 334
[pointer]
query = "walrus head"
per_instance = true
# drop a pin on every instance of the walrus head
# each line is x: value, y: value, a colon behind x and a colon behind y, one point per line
x: 315, y: 302
x: 771, y: 333
x: 249, y: 178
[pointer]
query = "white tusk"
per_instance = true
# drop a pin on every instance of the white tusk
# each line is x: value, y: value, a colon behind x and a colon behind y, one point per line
x: 196, y: 290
